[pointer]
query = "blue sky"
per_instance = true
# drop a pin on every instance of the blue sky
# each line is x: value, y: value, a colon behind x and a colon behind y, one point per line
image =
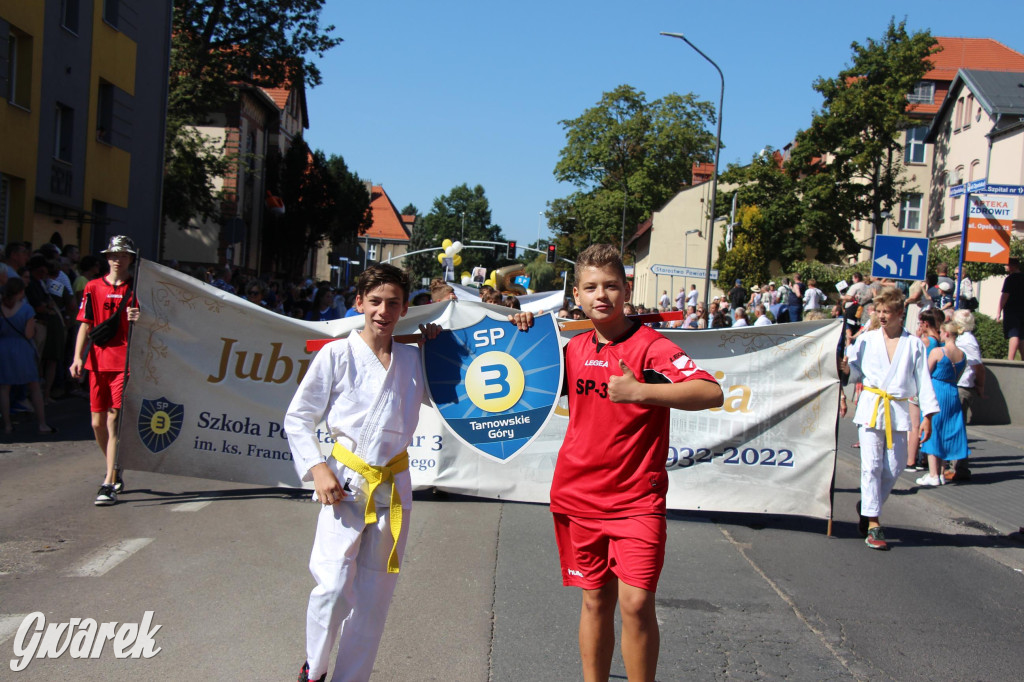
x: 425, y: 95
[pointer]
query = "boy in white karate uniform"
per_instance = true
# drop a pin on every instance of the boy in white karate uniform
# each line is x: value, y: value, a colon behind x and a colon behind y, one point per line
x: 892, y: 364
x: 370, y: 390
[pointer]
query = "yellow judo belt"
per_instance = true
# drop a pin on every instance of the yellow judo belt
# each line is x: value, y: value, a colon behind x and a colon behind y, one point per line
x: 374, y: 477
x: 887, y: 406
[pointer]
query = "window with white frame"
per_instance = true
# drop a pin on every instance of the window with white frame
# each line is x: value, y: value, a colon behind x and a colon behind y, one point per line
x: 371, y: 252
x: 19, y: 68
x: 910, y: 212
x: 923, y: 93
x: 914, y: 150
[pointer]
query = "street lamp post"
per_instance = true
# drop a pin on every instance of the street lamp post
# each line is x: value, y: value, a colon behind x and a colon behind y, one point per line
x: 686, y: 252
x: 625, y: 196
x: 714, y: 175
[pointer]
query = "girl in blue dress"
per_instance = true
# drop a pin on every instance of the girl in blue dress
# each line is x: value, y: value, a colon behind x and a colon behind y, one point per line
x: 948, y: 441
x: 929, y: 322
x: 18, y: 365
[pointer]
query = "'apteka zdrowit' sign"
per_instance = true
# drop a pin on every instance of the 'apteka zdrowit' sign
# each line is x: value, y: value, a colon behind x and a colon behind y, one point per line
x: 493, y: 385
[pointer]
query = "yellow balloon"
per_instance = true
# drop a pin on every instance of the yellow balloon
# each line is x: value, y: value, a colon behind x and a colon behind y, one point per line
x: 466, y: 273
x: 446, y: 243
x: 456, y: 260
x: 440, y: 258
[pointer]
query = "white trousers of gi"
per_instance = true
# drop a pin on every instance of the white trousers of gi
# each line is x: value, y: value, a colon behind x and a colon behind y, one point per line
x: 879, y: 467
x: 353, y: 591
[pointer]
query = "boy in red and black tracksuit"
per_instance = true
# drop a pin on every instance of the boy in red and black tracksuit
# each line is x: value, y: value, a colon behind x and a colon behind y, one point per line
x: 107, y: 362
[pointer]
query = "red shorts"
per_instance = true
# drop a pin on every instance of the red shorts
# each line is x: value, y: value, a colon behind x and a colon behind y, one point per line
x: 105, y: 390
x: 591, y: 551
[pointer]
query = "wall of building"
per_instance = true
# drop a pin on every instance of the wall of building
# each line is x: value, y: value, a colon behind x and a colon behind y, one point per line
x: 102, y: 175
x: 19, y: 120
x: 668, y: 244
x: 962, y: 154
x: 198, y: 241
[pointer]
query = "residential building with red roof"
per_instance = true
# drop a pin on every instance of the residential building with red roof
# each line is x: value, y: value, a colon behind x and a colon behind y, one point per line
x: 258, y: 126
x: 924, y: 207
x: 676, y: 235
x: 389, y: 235
x: 978, y: 133
x: 675, y: 238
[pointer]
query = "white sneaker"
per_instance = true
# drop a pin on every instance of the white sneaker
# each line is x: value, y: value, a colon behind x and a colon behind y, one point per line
x: 929, y: 481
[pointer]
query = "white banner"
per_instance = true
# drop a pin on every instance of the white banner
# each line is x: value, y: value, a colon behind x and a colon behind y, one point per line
x: 212, y: 375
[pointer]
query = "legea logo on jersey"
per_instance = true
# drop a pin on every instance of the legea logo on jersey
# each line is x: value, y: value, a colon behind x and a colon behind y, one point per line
x: 160, y: 423
x: 494, y: 385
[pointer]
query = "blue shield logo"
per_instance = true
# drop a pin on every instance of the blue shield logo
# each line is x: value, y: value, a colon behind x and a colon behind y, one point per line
x: 160, y: 423
x: 495, y: 386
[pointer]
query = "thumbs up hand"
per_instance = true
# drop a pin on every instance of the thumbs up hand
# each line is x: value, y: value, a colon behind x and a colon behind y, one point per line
x: 625, y: 388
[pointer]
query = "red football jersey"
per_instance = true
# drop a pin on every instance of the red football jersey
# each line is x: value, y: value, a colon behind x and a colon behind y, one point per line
x: 612, y: 461
x: 100, y: 301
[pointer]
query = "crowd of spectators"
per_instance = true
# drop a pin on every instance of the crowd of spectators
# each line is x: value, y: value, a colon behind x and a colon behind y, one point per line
x: 41, y: 290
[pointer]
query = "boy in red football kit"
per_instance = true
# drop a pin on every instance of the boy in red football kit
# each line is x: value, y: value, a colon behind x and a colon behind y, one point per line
x: 609, y: 486
x: 103, y: 299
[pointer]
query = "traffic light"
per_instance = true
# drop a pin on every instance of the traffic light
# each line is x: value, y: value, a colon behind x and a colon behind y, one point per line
x: 552, y: 254
x: 511, y: 250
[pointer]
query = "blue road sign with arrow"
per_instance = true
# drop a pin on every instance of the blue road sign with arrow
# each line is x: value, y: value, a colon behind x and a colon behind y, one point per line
x: 899, y: 257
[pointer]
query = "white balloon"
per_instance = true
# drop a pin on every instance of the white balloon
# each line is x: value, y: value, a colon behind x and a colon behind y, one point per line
x: 450, y: 251
x: 457, y: 246
x: 466, y: 281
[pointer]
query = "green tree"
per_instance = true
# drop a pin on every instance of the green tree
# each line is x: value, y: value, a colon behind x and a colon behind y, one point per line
x: 215, y: 45
x: 849, y: 161
x: 352, y: 216
x: 746, y: 260
x: 191, y: 164
x: 461, y: 206
x: 626, y: 154
x: 311, y: 197
x: 543, y: 275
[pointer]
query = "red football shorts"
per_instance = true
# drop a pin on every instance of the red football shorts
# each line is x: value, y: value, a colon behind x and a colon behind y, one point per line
x: 105, y: 390
x: 591, y: 551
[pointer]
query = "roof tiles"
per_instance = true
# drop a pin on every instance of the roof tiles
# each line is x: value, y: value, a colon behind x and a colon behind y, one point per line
x: 387, y: 221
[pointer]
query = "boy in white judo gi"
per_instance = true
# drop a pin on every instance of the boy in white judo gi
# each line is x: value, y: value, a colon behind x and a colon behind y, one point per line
x: 369, y: 390
x: 893, y: 367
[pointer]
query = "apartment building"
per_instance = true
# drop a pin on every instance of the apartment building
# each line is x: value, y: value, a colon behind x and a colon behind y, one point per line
x: 389, y: 235
x: 83, y: 119
x: 676, y: 236
x: 923, y: 209
x: 978, y: 133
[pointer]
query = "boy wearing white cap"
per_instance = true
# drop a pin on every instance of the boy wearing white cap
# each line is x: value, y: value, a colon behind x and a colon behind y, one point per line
x: 108, y: 306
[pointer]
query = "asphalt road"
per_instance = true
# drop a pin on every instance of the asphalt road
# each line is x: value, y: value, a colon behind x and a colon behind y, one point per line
x: 223, y: 569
